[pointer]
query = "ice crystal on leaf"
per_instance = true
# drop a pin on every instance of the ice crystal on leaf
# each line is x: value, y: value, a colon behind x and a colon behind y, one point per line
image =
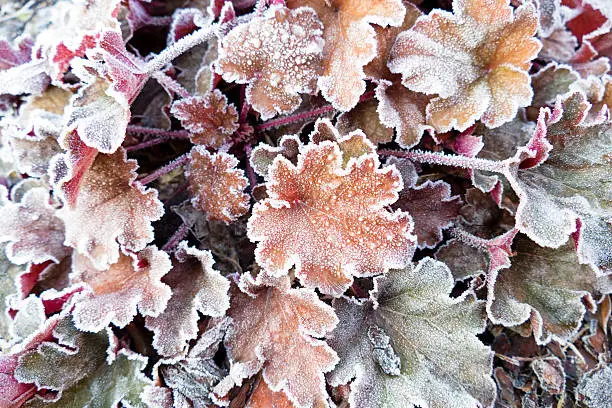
x: 350, y: 43
x: 563, y: 174
x: 217, y: 185
x: 134, y: 281
x: 328, y: 221
x: 32, y: 228
x: 196, y: 287
x: 547, y: 286
x: 209, y: 118
x: 277, y: 54
x: 353, y: 145
x: 274, y: 329
x: 75, y: 365
x: 412, y: 343
x: 263, y: 397
x: 109, y: 209
x: 263, y: 155
x: 476, y: 61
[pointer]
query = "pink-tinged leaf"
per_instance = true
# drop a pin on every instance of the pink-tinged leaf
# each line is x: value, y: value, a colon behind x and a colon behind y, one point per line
x: 350, y: 43
x: 412, y: 344
x: 572, y: 183
x: 184, y: 22
x: 209, y: 118
x: 330, y: 222
x: 73, y: 30
x: 196, y: 287
x: 263, y: 155
x: 278, y: 55
x: 432, y: 209
x: 13, y: 56
x: 109, y: 209
x: 546, y: 286
x: 275, y: 329
x: 476, y: 60
x: 550, y: 373
x: 32, y: 228
x: 98, y: 116
x: 217, y: 185
x: 114, y: 294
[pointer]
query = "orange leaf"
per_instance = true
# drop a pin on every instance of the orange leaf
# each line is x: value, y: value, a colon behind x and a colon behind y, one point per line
x: 330, y: 222
x: 273, y: 330
x: 109, y: 210
x: 350, y: 43
x: 277, y: 54
x: 476, y: 60
x: 217, y: 185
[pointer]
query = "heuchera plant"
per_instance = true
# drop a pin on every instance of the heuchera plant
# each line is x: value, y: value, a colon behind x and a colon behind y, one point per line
x: 305, y: 203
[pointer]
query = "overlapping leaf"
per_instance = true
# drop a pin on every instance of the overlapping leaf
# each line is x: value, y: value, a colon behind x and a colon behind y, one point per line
x: 109, y: 209
x: 132, y: 283
x: 277, y: 54
x: 475, y: 60
x: 274, y: 329
x: 328, y: 221
x: 196, y: 287
x: 411, y: 343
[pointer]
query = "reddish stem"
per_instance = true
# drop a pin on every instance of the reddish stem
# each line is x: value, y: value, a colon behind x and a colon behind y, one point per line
x: 141, y: 130
x: 306, y: 115
x: 178, y: 236
x: 448, y: 160
x: 164, y: 170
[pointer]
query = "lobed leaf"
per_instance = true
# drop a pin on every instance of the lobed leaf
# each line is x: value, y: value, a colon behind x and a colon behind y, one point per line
x: 476, y: 61
x: 274, y: 329
x: 217, y: 185
x: 209, y: 118
x: 109, y: 210
x: 329, y: 221
x: 114, y: 295
x: 196, y: 287
x: 411, y: 343
x: 277, y: 55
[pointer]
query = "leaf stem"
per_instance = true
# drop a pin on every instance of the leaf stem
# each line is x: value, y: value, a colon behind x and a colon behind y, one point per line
x: 443, y: 159
x: 142, y: 130
x: 170, y: 84
x: 469, y: 239
x: 179, y: 47
x: 177, y: 237
x: 164, y: 170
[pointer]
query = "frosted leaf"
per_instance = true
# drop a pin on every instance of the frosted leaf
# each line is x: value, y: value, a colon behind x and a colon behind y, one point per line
x: 546, y: 286
x: 559, y: 46
x: 12, y: 56
x: 441, y: 362
x: 32, y: 228
x: 8, y: 287
x: 551, y: 81
x: 43, y: 114
x: 573, y: 181
x: 32, y: 156
x: 29, y: 317
x: 278, y: 55
x: 330, y: 222
x: 592, y: 390
x: 28, y: 78
x: 99, y: 118
x: 550, y: 16
x: 365, y: 117
x: 476, y: 60
x: 184, y: 22
x: 134, y: 281
x: 263, y: 155
x: 350, y: 43
x: 467, y: 261
x: 73, y: 30
x: 550, y: 373
x: 353, y: 145
x: 263, y: 397
x: 191, y: 379
x: 196, y: 287
x: 77, y: 367
x: 275, y: 329
x: 109, y: 210
x: 217, y: 185
x: 154, y: 396
x: 432, y: 209
x: 209, y: 118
